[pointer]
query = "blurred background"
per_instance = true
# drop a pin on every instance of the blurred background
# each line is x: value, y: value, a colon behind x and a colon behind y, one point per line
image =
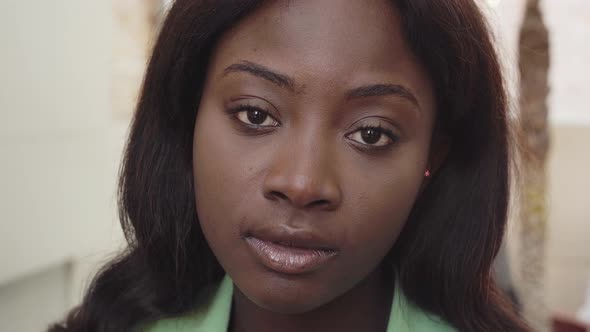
x: 70, y: 71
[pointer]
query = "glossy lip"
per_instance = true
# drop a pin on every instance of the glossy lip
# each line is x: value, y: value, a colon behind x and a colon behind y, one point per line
x: 289, y: 251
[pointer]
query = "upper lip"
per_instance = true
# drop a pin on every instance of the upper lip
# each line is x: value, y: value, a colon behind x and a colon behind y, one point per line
x: 291, y: 237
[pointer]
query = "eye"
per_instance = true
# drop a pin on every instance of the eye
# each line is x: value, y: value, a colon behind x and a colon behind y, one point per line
x: 373, y: 136
x: 254, y: 117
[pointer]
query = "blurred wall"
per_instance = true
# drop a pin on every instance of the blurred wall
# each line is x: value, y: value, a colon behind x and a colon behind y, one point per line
x: 568, y: 249
x: 61, y: 146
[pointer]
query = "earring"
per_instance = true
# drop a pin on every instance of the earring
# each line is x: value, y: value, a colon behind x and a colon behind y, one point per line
x: 427, y: 173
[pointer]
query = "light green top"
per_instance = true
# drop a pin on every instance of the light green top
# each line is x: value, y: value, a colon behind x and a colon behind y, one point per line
x: 213, y: 313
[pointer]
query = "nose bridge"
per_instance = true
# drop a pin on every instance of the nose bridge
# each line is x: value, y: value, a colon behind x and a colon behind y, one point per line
x: 303, y: 172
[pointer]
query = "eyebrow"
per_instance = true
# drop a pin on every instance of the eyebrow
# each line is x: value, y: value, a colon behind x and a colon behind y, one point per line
x: 377, y: 90
x: 279, y: 79
x: 284, y: 81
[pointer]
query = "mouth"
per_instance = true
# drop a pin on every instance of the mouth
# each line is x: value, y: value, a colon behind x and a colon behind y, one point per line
x: 290, y: 252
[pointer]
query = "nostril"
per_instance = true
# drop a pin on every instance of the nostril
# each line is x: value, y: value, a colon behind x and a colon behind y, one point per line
x: 278, y: 194
x: 319, y: 203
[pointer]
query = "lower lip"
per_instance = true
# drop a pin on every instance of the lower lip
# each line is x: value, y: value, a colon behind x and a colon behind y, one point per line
x: 289, y: 260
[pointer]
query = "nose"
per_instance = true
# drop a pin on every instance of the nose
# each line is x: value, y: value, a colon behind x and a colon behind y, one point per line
x: 304, y: 176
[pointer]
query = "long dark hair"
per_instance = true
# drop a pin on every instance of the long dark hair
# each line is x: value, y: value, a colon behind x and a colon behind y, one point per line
x: 445, y: 252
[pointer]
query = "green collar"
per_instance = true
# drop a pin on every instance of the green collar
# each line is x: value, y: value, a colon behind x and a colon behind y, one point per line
x: 214, y: 307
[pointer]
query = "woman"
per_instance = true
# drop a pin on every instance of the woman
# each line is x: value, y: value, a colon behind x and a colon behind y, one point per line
x: 312, y: 166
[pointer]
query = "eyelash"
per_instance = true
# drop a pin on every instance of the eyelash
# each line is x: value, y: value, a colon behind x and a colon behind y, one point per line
x: 384, y: 131
x: 250, y: 128
x: 262, y: 130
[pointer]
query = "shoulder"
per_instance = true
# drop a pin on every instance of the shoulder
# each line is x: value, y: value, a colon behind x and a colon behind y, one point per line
x: 421, y: 321
x: 407, y: 317
x: 213, y: 308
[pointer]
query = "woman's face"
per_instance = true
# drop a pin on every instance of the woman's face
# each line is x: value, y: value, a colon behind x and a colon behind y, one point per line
x: 310, y: 146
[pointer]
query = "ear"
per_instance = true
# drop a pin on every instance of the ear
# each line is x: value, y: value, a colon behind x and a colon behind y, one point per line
x: 437, y: 156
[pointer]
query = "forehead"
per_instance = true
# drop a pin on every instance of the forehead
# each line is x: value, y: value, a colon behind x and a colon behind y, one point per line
x: 326, y: 43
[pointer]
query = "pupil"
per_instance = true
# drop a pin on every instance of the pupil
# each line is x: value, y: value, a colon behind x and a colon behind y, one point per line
x: 371, y: 136
x: 256, y: 117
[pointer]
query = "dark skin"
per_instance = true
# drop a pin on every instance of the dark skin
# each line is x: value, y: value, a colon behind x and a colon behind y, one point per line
x: 315, y: 116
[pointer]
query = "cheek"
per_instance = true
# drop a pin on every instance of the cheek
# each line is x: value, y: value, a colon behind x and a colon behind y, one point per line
x: 215, y: 177
x: 381, y: 203
x: 225, y: 185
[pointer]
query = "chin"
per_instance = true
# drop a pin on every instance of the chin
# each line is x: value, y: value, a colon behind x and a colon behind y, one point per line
x: 286, y: 304
x: 287, y: 296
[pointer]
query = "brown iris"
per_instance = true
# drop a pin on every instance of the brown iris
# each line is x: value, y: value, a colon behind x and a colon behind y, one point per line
x: 370, y: 136
x: 256, y: 117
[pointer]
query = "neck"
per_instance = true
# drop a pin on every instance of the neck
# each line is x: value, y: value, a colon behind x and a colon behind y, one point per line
x: 366, y: 307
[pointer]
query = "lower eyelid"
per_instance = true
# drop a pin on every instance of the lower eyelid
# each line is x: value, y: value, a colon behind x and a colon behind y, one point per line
x: 257, y: 129
x: 237, y: 114
x: 251, y: 130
